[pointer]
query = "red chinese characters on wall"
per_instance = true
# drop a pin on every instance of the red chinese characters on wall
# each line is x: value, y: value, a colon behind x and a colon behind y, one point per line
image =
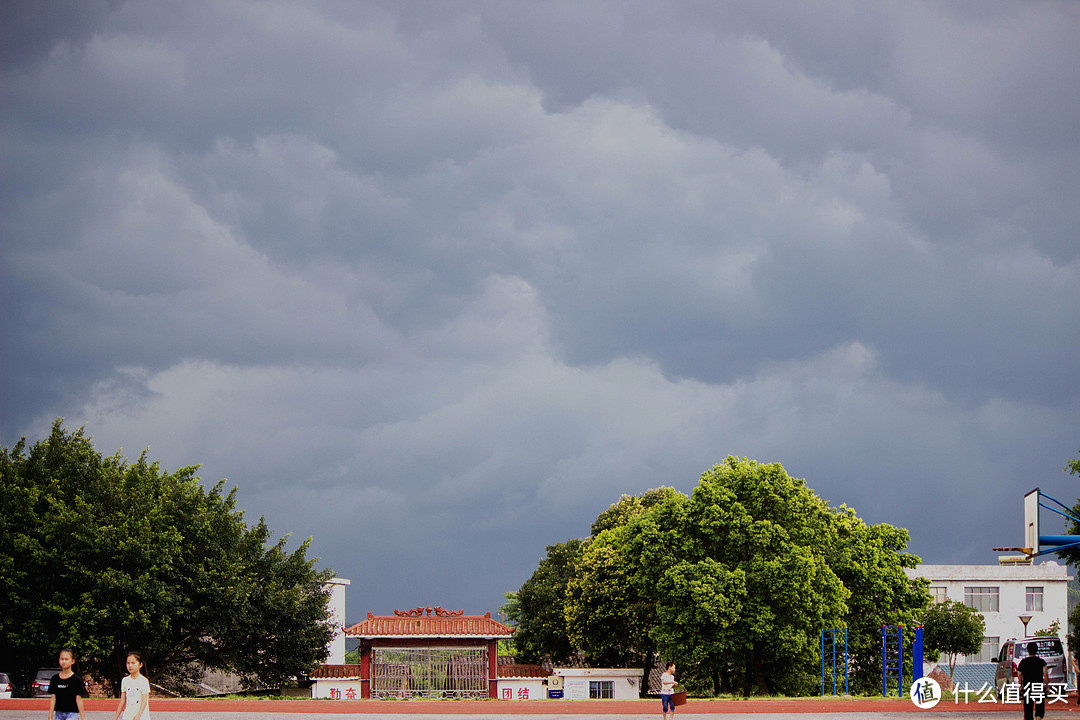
x: 350, y: 693
x: 522, y: 693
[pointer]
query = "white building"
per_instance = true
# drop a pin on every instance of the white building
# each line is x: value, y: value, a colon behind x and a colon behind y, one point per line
x: 337, y: 616
x: 1005, y: 595
x: 530, y: 682
x: 600, y: 683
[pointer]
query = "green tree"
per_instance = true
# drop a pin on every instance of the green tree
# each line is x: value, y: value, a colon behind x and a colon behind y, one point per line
x: 541, y: 633
x: 1073, y: 466
x: 631, y: 506
x: 1072, y: 556
x: 870, y: 562
x: 511, y: 609
x: 105, y: 556
x: 951, y: 628
x: 610, y: 611
x: 770, y: 533
x: 736, y: 581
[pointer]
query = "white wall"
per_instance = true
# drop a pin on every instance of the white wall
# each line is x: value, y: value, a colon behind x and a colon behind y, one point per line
x: 576, y: 682
x: 336, y: 689
x: 337, y: 616
x: 522, y: 689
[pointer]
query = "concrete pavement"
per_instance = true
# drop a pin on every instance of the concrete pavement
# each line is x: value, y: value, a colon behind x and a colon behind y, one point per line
x: 756, y: 709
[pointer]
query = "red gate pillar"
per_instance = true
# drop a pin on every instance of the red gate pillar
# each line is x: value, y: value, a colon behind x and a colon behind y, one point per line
x: 365, y: 672
x: 493, y: 669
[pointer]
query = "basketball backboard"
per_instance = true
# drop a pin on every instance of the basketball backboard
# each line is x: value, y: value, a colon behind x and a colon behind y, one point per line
x: 1031, y: 522
x: 1034, y: 540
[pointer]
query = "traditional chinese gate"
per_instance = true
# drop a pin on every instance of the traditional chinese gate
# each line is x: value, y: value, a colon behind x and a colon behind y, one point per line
x: 429, y: 672
x: 429, y: 652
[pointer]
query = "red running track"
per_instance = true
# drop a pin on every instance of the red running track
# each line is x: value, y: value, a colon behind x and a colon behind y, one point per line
x: 537, y: 707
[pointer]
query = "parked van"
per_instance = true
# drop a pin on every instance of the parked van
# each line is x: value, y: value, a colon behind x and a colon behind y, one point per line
x: 1013, y: 651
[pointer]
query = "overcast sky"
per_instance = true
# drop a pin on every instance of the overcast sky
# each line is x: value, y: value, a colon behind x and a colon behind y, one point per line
x: 436, y: 282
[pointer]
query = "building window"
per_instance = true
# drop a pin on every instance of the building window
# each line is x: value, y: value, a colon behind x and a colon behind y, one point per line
x: 990, y: 648
x: 940, y: 594
x: 983, y: 599
x: 1034, y: 602
x: 601, y: 689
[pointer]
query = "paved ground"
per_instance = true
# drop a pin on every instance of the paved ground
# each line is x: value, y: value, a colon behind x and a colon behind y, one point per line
x: 805, y: 709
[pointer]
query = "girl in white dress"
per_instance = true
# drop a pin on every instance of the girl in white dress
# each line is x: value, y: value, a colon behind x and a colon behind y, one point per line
x: 134, y: 691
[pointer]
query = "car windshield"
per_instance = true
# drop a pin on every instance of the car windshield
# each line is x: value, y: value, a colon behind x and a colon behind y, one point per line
x: 1049, y: 646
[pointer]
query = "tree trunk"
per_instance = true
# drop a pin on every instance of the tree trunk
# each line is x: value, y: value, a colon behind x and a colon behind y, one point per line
x: 646, y: 671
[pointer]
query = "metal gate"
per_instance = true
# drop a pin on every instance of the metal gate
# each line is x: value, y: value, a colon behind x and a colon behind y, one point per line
x: 429, y: 672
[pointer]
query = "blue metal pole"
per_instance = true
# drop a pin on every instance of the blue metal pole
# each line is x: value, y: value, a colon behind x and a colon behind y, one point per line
x: 834, y: 661
x: 823, y: 663
x: 917, y: 660
x: 900, y: 675
x: 884, y: 660
x: 847, y: 690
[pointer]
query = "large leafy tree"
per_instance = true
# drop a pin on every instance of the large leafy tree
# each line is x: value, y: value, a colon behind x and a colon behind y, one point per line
x: 541, y: 630
x: 610, y: 608
x: 762, y: 536
x: 104, y: 556
x: 736, y: 581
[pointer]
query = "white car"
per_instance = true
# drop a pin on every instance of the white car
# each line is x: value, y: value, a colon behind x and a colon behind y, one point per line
x: 5, y: 686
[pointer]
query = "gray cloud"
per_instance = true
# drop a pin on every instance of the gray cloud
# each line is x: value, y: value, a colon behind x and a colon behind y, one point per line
x: 436, y: 284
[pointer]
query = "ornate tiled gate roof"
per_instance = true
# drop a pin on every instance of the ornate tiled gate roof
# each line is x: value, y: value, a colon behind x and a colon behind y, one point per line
x: 429, y: 623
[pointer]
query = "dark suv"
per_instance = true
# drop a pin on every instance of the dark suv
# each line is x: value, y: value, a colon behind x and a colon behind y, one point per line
x: 1013, y: 651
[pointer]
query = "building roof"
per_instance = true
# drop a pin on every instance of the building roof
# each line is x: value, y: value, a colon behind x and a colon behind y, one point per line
x: 436, y: 623
x: 1047, y: 571
x: 513, y: 670
x: 606, y: 672
x: 335, y: 672
x: 976, y: 675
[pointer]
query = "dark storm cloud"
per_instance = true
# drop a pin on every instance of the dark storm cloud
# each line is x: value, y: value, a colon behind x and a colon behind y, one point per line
x: 31, y: 29
x: 436, y: 283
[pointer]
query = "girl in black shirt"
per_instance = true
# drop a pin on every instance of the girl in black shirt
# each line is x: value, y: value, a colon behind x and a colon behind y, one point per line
x: 66, y: 690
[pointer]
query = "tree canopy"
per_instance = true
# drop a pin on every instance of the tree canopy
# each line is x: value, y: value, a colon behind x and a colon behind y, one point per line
x: 1073, y: 466
x: 105, y: 556
x: 735, y: 582
x: 1072, y: 556
x: 541, y: 629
